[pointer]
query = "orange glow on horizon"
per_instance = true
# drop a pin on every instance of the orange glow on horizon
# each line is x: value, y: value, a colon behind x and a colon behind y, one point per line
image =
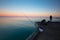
x: 28, y: 14
x: 44, y: 15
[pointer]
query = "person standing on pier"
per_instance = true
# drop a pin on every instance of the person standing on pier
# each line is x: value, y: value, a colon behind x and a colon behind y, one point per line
x: 50, y: 18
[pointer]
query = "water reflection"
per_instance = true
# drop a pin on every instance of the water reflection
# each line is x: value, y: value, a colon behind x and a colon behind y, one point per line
x: 17, y: 28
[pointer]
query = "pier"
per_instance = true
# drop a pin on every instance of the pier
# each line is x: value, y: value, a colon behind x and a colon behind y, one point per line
x: 51, y: 32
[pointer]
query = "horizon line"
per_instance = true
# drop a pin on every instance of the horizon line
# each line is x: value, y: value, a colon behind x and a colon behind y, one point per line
x: 25, y: 16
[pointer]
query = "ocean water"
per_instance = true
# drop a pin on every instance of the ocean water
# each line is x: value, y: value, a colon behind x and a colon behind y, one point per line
x: 12, y: 28
x: 17, y: 28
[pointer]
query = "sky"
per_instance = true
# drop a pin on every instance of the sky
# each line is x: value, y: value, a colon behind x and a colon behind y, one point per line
x: 30, y: 8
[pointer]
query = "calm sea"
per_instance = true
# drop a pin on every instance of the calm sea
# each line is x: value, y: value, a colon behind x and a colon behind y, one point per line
x: 17, y: 28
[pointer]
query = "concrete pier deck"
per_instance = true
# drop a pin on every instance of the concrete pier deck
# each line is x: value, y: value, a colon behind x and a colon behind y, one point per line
x: 51, y: 32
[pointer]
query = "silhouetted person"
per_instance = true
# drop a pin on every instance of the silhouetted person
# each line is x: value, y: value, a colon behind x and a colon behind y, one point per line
x: 50, y: 17
x: 43, y: 22
x: 42, y: 25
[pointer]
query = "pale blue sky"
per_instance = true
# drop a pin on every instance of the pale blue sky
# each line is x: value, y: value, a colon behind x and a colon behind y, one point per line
x: 31, y: 5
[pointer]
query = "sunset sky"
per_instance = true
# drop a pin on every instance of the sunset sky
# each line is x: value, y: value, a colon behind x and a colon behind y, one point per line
x: 30, y: 8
